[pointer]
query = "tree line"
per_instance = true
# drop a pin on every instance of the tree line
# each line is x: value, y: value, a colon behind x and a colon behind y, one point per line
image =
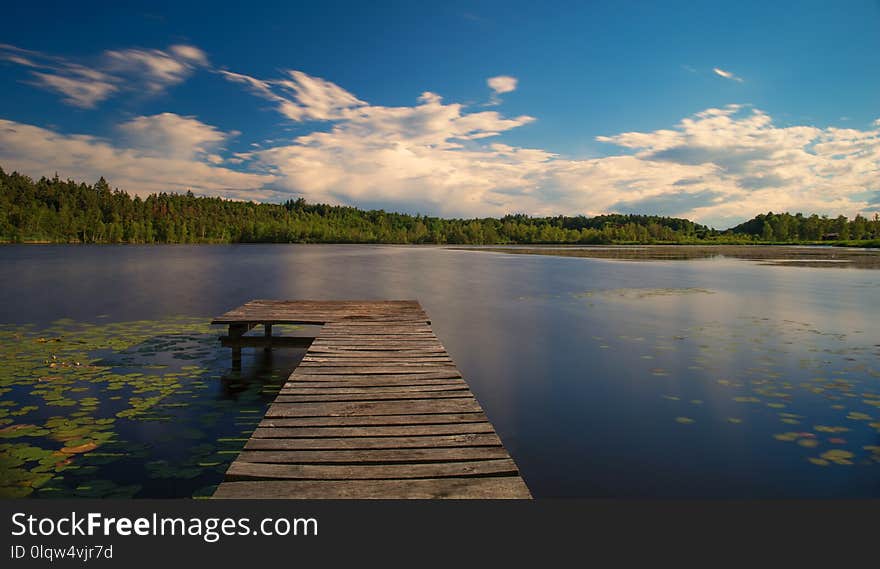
x: 65, y: 211
x: 798, y: 227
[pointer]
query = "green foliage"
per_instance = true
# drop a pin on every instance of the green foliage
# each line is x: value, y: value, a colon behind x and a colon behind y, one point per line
x: 798, y: 228
x: 59, y: 211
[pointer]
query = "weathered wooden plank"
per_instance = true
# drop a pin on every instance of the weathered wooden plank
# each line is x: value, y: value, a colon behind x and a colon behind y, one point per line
x: 373, y: 341
x: 294, y: 388
x: 371, y: 380
x: 405, y: 320
x: 309, y: 366
x: 367, y: 381
x: 377, y: 355
x: 377, y: 346
x: 363, y: 348
x: 506, y: 487
x: 371, y: 333
x: 348, y: 315
x: 382, y: 420
x: 353, y: 409
x: 321, y: 342
x: 373, y: 362
x: 262, y: 432
x: 395, y: 369
x: 400, y: 396
x: 384, y: 332
x: 368, y: 339
x: 311, y: 361
x: 342, y: 325
x: 360, y: 347
x: 373, y: 456
x: 329, y: 443
x: 361, y: 332
x: 370, y: 346
x: 240, y: 470
x: 376, y: 336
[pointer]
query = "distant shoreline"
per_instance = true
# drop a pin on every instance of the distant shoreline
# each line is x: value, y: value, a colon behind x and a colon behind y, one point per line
x: 778, y: 255
x: 867, y: 244
x: 64, y: 211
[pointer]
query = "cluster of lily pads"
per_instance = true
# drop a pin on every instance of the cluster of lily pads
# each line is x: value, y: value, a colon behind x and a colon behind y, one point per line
x: 122, y: 409
x: 832, y: 396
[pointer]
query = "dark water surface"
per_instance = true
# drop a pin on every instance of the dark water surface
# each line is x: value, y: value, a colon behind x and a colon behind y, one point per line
x: 700, y: 378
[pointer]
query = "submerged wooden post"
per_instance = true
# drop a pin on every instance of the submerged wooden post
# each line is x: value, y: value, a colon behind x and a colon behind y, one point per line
x: 236, y: 331
x: 267, y: 332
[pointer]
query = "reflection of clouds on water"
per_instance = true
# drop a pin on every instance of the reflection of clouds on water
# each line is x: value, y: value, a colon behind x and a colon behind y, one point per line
x: 574, y: 385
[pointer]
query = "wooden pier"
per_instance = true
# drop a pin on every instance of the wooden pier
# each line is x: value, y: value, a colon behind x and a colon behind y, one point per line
x: 376, y: 409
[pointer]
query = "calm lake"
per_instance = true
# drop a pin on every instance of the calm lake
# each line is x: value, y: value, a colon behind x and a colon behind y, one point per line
x: 709, y: 377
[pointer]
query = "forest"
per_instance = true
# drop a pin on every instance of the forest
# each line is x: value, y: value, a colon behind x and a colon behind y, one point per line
x: 52, y: 210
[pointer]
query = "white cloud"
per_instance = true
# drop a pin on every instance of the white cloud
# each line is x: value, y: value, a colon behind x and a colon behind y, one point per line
x: 154, y: 68
x: 115, y: 72
x: 727, y: 75
x: 316, y: 98
x: 425, y: 155
x: 190, y: 53
x: 300, y: 96
x: 502, y: 84
x: 81, y: 86
x: 756, y: 166
x: 38, y: 151
x: 172, y: 135
x: 78, y: 91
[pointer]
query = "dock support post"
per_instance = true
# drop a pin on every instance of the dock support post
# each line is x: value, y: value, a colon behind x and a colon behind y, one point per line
x: 267, y: 332
x: 237, y: 331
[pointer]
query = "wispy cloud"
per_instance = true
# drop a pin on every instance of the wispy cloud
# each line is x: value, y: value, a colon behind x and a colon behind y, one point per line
x: 300, y: 96
x: 113, y: 72
x: 80, y: 86
x: 78, y: 90
x: 726, y: 74
x: 501, y: 84
x: 155, y: 69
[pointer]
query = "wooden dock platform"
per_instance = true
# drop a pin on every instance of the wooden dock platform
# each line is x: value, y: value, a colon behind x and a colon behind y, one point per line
x: 376, y: 409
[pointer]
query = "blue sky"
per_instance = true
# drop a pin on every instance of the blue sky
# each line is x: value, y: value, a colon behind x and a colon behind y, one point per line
x: 716, y: 111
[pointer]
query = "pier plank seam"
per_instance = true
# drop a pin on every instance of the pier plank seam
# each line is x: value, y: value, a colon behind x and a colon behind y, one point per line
x: 376, y: 409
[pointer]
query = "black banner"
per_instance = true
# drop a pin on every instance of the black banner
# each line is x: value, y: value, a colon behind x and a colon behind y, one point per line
x: 256, y: 534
